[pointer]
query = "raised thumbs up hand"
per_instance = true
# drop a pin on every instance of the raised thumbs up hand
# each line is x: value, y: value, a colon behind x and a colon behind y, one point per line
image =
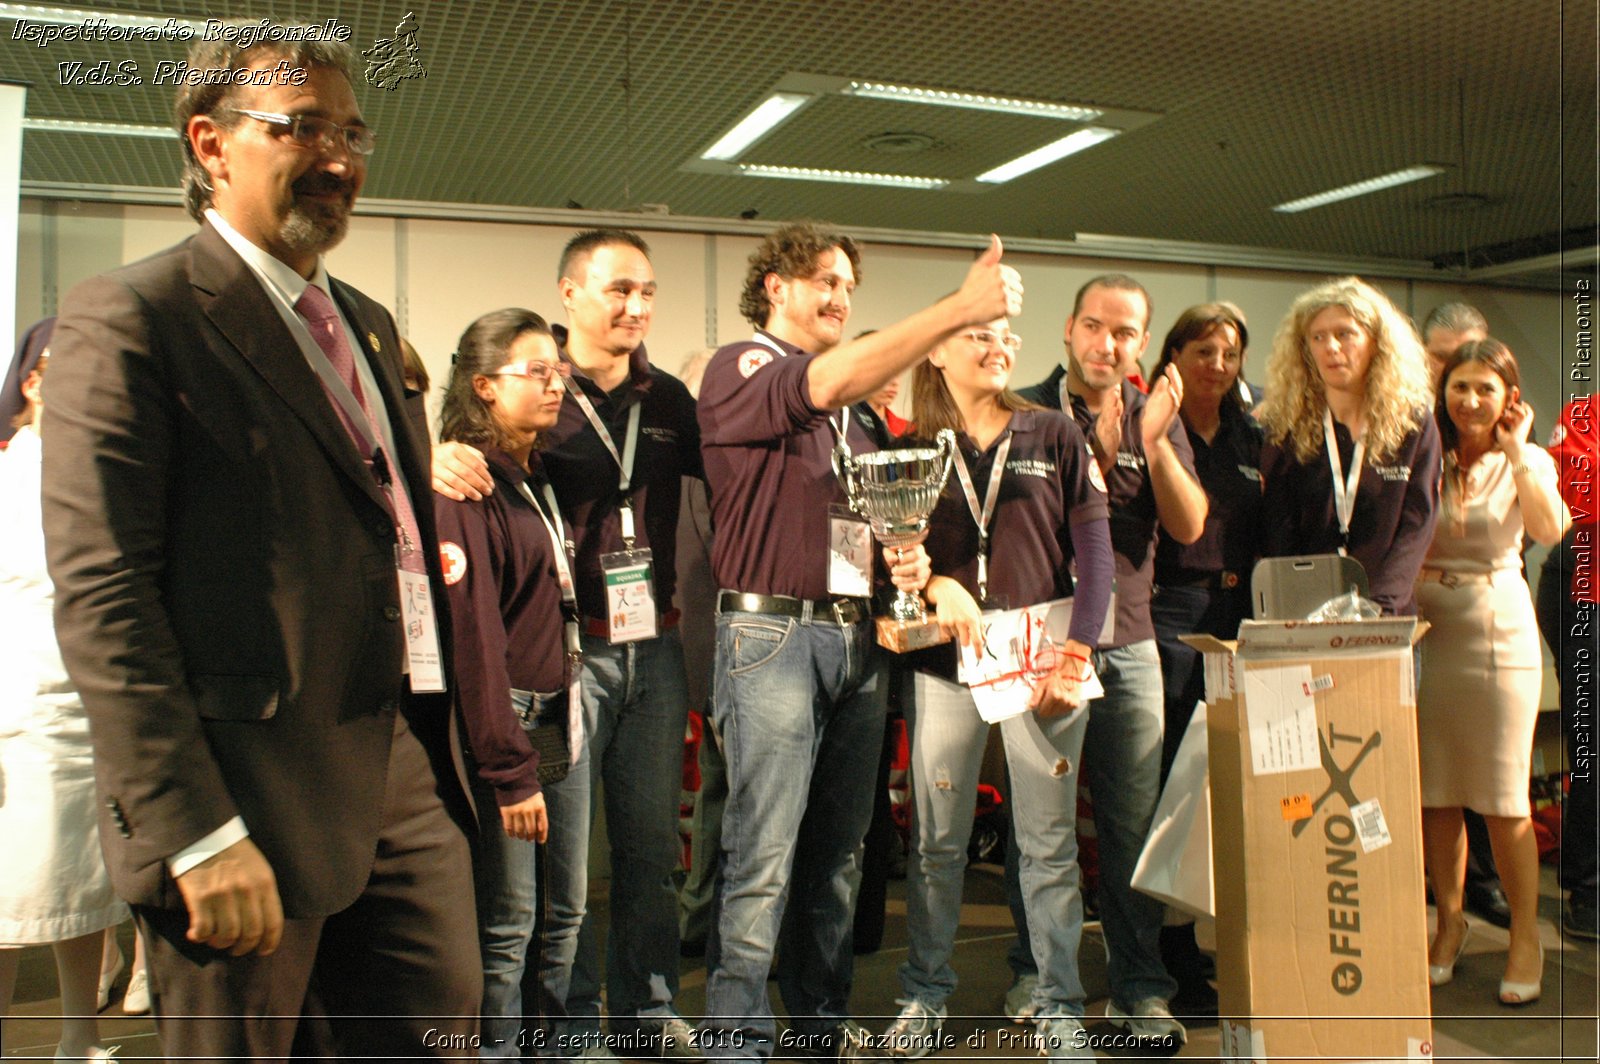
x: 992, y: 289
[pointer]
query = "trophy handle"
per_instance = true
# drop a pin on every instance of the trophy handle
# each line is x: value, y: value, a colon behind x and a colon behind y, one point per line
x: 844, y: 468
x: 947, y: 447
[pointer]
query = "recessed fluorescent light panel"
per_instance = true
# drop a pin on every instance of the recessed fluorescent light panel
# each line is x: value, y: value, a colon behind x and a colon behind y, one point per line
x: 70, y: 16
x: 844, y: 177
x: 104, y: 129
x: 1360, y: 188
x: 767, y: 116
x: 971, y: 100
x: 1055, y: 151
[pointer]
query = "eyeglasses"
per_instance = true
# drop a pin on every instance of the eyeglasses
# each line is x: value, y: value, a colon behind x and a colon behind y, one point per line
x: 533, y: 370
x: 987, y: 338
x: 309, y: 131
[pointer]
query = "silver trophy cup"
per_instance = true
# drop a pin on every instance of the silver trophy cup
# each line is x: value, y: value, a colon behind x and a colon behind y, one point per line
x: 896, y: 492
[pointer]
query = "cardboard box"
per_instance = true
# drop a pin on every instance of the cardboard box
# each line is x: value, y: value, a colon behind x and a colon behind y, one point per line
x: 1322, y: 947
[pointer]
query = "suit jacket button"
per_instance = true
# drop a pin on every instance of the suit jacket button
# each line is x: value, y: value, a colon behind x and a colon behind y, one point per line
x: 391, y: 613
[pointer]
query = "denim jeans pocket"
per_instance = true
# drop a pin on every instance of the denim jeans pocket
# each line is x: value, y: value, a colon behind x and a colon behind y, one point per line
x: 754, y: 643
x: 544, y: 719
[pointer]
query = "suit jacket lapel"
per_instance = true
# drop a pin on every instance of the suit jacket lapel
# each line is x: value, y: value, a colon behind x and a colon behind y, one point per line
x: 233, y: 299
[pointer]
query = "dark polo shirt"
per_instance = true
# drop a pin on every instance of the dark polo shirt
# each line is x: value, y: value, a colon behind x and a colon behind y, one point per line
x: 1397, y: 502
x: 586, y: 477
x: 1132, y: 500
x: 767, y: 452
x: 505, y: 610
x: 1046, y: 492
x: 1229, y: 468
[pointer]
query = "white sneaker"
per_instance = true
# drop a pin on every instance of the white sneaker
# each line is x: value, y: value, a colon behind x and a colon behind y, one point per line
x: 1148, y: 1021
x: 95, y: 1053
x: 915, y: 1031
x: 136, y: 1002
x: 1063, y: 1038
x: 678, y: 1041
x: 1019, y: 999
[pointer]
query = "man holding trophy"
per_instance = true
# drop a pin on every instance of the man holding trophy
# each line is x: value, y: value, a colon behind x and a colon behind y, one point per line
x: 799, y: 697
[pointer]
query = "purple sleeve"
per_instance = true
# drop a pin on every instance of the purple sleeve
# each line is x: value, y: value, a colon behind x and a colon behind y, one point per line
x: 1393, y: 587
x: 1091, y: 549
x: 500, y: 749
x: 751, y: 395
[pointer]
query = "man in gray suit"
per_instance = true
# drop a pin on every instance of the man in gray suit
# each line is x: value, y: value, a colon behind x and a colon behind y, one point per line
x: 247, y: 596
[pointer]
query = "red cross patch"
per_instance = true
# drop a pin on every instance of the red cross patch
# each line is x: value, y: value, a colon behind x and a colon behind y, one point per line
x: 454, y: 561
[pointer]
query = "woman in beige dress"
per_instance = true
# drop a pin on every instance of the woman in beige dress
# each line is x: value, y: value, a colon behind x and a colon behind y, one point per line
x: 1481, y: 668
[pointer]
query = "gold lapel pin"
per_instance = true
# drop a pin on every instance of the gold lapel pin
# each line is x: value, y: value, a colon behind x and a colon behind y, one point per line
x: 372, y: 338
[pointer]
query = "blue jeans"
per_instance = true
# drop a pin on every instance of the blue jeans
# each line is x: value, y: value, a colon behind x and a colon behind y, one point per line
x: 1122, y: 763
x: 800, y: 711
x: 947, y: 741
x: 1179, y: 611
x: 505, y: 875
x: 566, y: 889
x: 635, y: 704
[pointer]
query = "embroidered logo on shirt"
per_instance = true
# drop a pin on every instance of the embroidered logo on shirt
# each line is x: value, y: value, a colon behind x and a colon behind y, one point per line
x: 454, y: 561
x: 1031, y: 467
x: 660, y: 435
x: 1392, y: 472
x: 753, y: 360
x: 1130, y: 460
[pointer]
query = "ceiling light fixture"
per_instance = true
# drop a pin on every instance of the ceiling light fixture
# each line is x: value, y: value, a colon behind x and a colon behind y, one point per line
x: 971, y: 100
x: 767, y: 116
x: 845, y: 177
x: 1055, y: 151
x: 71, y: 16
x: 104, y: 129
x: 1360, y: 188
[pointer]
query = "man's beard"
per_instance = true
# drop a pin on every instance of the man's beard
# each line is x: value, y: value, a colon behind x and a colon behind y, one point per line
x: 314, y: 226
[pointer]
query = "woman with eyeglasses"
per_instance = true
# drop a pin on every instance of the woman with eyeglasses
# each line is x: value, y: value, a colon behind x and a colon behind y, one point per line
x: 505, y: 570
x: 1023, y: 506
x: 1481, y: 664
x: 1351, y: 459
x: 1204, y: 586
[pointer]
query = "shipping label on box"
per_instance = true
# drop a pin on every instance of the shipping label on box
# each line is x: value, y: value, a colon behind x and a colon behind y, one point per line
x: 1321, y: 922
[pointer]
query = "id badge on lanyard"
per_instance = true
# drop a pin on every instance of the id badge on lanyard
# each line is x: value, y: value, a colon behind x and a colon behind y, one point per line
x: 849, y: 553
x: 423, y: 660
x: 849, y: 535
x: 628, y: 574
x: 629, y: 577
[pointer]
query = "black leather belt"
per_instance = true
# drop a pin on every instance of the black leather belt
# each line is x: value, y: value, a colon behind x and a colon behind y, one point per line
x: 1226, y: 580
x: 843, y: 612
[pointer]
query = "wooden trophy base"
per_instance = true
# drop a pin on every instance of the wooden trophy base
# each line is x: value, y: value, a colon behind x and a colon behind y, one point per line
x: 904, y: 636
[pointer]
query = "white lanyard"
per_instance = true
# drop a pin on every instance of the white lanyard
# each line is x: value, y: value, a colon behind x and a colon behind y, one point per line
x: 558, y: 536
x: 1344, y: 486
x: 630, y: 448
x: 844, y: 415
x: 983, y: 517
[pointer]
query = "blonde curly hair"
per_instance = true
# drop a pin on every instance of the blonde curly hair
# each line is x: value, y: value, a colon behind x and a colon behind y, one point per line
x: 1399, y: 388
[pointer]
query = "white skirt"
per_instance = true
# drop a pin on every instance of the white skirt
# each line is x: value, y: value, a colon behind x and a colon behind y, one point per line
x: 53, y: 880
